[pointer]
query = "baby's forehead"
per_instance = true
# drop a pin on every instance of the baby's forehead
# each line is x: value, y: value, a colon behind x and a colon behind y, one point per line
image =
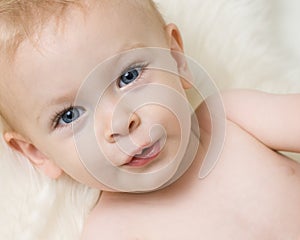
x: 36, y: 65
x: 58, y: 36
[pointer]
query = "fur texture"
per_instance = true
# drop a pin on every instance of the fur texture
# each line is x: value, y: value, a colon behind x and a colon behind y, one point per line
x: 239, y: 44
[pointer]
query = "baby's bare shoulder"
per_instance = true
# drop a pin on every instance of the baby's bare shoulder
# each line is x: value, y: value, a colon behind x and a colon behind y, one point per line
x: 263, y: 182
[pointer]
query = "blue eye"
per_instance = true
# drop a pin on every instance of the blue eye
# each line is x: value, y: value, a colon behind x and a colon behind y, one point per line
x: 68, y: 116
x: 130, y: 76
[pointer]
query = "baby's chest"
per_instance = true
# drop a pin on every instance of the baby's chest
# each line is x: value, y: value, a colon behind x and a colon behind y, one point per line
x: 223, y: 214
x: 160, y: 222
x: 212, y: 214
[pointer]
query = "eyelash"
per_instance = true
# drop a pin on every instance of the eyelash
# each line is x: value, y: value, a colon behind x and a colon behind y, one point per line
x: 140, y: 66
x: 57, y: 116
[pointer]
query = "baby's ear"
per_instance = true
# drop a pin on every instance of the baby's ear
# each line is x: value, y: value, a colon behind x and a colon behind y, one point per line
x: 177, y: 51
x: 174, y: 37
x: 18, y: 143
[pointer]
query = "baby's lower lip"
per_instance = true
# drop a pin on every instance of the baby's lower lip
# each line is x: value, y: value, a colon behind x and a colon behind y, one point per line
x: 147, y: 156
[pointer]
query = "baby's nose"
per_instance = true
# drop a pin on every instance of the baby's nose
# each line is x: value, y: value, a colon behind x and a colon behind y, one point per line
x: 122, y: 125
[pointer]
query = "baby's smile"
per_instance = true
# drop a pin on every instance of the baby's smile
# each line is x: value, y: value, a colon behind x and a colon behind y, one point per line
x: 145, y: 156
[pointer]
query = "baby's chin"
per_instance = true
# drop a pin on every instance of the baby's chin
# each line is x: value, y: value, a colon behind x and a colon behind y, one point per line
x: 141, y: 182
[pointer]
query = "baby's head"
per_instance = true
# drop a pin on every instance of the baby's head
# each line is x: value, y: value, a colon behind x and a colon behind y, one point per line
x: 50, y: 47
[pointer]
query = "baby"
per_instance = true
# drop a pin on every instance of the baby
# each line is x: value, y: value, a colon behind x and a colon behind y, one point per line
x: 124, y: 126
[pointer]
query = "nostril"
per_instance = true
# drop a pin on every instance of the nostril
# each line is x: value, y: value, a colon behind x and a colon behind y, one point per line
x: 112, y: 138
x: 115, y: 136
x: 134, y: 123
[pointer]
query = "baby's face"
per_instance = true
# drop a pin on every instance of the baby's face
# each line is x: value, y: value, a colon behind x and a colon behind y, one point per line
x: 133, y: 120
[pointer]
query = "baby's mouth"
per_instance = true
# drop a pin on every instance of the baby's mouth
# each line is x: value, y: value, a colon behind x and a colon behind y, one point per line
x: 147, y: 155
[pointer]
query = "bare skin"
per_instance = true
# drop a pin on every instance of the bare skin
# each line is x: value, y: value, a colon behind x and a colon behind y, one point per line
x: 253, y: 193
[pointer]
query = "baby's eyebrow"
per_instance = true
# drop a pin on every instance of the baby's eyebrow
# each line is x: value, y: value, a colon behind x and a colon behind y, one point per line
x: 70, y: 97
x: 130, y: 46
x: 67, y: 98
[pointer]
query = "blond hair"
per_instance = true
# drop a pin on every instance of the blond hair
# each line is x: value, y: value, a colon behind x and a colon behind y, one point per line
x: 19, y: 19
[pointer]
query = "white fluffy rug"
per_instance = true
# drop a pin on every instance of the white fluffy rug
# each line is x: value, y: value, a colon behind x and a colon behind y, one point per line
x: 244, y: 43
